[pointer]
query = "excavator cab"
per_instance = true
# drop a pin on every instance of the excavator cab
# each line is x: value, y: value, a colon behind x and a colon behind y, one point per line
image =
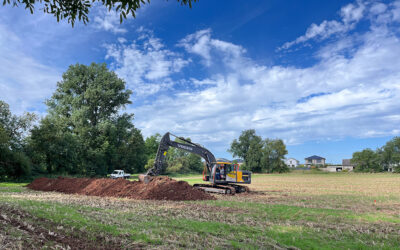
x: 229, y: 173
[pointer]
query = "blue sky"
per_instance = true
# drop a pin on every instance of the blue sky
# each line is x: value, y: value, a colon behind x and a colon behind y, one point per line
x: 321, y: 75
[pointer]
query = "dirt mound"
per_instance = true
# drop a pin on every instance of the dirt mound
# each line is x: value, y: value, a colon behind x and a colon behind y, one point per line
x: 160, y: 188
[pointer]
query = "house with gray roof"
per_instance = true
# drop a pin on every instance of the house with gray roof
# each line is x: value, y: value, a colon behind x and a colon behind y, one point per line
x: 315, y: 160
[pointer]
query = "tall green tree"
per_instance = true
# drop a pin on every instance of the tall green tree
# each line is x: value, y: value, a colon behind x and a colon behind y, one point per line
x: 254, y: 155
x: 260, y: 155
x: 241, y: 147
x: 366, y: 161
x: 274, y: 152
x: 84, y: 116
x: 79, y: 9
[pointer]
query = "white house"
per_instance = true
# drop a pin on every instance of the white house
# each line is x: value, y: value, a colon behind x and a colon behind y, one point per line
x: 291, y: 162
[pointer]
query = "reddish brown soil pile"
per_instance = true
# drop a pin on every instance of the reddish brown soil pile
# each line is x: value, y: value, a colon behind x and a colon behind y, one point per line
x: 160, y: 188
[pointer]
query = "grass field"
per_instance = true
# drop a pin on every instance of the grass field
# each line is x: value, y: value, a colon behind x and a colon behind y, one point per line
x: 296, y: 210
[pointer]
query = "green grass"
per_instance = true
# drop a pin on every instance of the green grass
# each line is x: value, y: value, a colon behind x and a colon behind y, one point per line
x: 287, y: 214
x: 11, y: 184
x: 8, y: 187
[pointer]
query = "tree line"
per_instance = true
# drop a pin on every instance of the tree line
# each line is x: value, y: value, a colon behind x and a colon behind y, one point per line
x: 380, y: 160
x: 85, y: 132
x: 260, y: 155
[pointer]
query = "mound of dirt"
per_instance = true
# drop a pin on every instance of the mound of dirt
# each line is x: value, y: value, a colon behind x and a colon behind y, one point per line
x: 160, y: 188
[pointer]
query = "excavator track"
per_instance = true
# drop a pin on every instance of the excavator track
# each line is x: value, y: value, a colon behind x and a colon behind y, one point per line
x: 230, y: 189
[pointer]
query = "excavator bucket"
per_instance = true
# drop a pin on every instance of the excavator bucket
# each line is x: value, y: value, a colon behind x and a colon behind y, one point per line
x: 145, y: 178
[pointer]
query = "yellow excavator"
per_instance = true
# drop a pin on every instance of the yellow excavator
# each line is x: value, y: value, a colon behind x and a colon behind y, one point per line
x: 223, y: 177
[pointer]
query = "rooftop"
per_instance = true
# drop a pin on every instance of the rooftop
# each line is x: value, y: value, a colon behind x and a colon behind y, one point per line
x: 315, y: 157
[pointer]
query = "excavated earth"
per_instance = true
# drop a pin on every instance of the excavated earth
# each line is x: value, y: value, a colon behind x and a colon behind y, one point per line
x: 160, y: 188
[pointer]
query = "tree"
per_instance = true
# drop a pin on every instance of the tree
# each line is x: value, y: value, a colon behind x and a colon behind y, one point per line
x: 391, y: 154
x: 79, y: 9
x: 274, y: 152
x: 54, y: 150
x: 259, y: 155
x: 242, y: 146
x: 366, y: 161
x: 254, y: 155
x: 151, y: 145
x: 85, y: 123
x: 15, y: 127
x: 180, y: 161
x: 13, y: 161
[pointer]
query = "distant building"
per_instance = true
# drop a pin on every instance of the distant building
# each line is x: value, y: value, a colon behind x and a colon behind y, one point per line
x: 291, y: 162
x: 315, y: 160
x: 223, y: 160
x: 239, y: 161
x: 392, y: 166
x: 346, y: 166
x: 346, y: 162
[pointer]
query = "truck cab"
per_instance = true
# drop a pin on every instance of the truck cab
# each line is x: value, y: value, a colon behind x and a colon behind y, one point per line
x: 119, y: 174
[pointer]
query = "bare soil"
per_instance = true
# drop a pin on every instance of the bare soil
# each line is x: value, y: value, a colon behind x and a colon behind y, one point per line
x: 160, y: 188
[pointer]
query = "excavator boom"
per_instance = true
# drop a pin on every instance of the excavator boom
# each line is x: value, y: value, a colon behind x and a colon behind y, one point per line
x: 189, y: 146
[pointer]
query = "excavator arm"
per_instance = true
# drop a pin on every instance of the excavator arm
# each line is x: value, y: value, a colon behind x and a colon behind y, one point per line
x: 188, y: 146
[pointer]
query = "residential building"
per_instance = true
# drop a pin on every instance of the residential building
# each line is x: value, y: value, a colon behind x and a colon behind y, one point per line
x: 315, y: 160
x: 291, y: 162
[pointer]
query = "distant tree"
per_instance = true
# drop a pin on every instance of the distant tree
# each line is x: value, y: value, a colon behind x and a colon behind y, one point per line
x: 79, y: 9
x: 180, y: 161
x: 133, y: 158
x: 13, y: 161
x: 254, y: 155
x: 391, y: 154
x: 240, y: 147
x: 274, y: 152
x: 15, y: 127
x: 366, y: 161
x: 151, y: 144
x: 149, y: 164
x: 259, y: 155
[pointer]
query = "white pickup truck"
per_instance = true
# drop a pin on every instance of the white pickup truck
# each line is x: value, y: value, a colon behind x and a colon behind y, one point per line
x: 119, y: 174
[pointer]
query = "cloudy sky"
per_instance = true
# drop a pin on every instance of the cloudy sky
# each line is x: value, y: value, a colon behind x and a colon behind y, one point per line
x: 324, y: 76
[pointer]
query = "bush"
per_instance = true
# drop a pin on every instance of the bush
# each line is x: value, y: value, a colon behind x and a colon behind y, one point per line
x: 14, y: 165
x: 149, y: 164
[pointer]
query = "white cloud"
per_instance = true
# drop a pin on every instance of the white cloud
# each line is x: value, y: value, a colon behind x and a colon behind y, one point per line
x: 145, y: 64
x: 108, y: 21
x: 357, y: 74
x: 201, y: 43
x: 350, y: 15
